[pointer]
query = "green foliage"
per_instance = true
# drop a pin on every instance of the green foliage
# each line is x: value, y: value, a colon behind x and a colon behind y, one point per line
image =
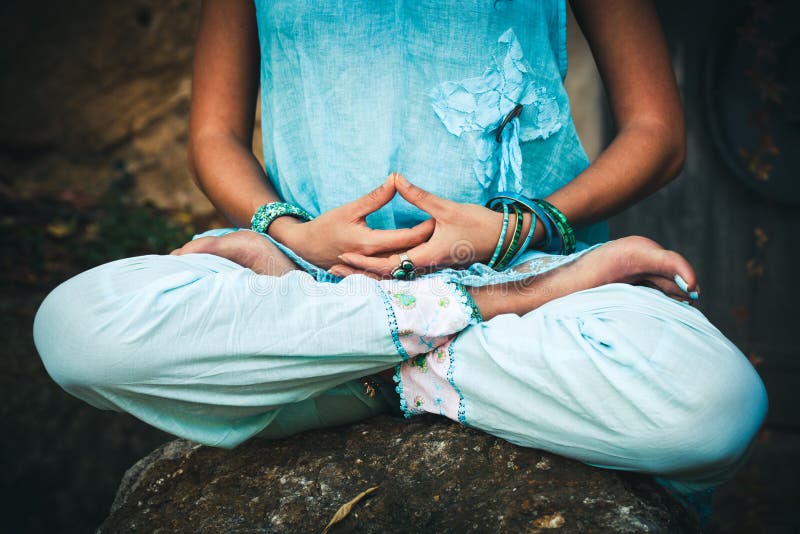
x: 45, y: 240
x: 126, y: 228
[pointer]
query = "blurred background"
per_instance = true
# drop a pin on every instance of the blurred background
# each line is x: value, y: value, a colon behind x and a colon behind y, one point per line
x: 93, y: 128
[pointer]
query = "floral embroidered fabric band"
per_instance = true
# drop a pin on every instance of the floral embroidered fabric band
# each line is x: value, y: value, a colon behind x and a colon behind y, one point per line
x: 429, y: 311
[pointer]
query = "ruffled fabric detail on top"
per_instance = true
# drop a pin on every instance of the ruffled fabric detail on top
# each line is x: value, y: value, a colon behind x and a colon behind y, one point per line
x: 475, y: 108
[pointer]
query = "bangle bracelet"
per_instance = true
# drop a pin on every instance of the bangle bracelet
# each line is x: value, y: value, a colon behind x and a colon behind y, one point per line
x: 541, y: 214
x: 512, y: 247
x: 266, y: 214
x: 527, y: 240
x: 555, y: 223
x: 559, y: 220
x: 502, y: 237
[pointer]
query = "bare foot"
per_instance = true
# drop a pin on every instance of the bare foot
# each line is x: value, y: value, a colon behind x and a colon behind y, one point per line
x: 632, y: 260
x: 248, y: 249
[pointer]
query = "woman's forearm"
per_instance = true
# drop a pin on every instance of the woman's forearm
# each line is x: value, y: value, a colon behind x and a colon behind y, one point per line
x: 642, y: 158
x: 225, y: 84
x: 230, y: 176
x: 633, y: 59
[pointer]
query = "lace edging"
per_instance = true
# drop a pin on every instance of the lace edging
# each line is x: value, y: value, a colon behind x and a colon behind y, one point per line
x: 395, y: 330
x: 467, y: 303
x: 407, y: 413
x: 451, y: 356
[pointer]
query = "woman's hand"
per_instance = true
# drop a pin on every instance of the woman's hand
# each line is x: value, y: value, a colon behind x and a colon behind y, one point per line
x: 463, y: 234
x: 344, y: 230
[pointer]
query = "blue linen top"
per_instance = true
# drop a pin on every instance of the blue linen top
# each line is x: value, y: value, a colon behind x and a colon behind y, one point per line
x: 354, y: 90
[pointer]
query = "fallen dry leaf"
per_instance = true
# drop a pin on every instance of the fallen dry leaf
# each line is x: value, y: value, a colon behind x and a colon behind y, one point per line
x: 342, y: 512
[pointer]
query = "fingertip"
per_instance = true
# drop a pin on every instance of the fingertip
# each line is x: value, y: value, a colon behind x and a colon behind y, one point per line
x: 694, y: 294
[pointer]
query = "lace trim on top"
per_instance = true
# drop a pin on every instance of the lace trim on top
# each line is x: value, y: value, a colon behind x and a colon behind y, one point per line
x: 475, y: 108
x: 532, y: 263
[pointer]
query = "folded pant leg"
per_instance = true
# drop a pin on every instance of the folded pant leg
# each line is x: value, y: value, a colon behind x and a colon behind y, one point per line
x: 205, y: 349
x: 617, y: 376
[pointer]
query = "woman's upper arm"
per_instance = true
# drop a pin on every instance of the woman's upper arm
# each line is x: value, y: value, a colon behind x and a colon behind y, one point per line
x: 226, y: 71
x: 632, y: 56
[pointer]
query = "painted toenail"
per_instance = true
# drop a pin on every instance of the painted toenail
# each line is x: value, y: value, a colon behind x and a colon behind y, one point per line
x: 681, y: 283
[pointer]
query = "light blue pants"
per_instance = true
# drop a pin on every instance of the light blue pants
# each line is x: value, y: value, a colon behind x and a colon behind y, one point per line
x: 196, y: 345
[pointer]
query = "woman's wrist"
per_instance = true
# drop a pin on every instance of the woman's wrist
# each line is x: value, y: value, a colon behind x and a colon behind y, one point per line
x: 272, y: 213
x: 282, y: 229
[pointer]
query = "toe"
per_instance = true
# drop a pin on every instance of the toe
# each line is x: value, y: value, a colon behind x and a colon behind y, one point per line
x: 677, y: 269
x: 666, y: 286
x: 200, y: 245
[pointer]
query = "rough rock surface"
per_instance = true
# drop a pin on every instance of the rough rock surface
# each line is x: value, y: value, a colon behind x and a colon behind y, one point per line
x: 93, y: 89
x: 433, y: 476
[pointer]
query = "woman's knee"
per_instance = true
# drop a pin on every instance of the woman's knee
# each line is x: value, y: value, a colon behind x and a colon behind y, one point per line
x: 62, y: 336
x: 693, y: 400
x: 714, y: 413
x: 736, y: 405
x: 78, y: 329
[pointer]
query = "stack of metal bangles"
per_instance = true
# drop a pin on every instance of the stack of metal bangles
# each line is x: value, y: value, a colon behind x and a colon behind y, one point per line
x: 559, y: 235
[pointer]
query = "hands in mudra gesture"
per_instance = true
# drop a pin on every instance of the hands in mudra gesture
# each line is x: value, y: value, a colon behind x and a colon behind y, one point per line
x: 456, y: 235
x: 459, y: 234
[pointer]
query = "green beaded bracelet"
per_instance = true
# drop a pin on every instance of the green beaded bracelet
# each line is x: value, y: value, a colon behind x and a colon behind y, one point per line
x: 512, y: 247
x: 267, y: 213
x: 502, y: 239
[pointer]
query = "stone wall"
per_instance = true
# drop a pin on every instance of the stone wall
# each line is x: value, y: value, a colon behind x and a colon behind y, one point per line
x: 91, y: 88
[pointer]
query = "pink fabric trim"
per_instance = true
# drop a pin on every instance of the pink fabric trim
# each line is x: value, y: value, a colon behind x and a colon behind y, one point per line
x: 425, y: 385
x: 429, y: 312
